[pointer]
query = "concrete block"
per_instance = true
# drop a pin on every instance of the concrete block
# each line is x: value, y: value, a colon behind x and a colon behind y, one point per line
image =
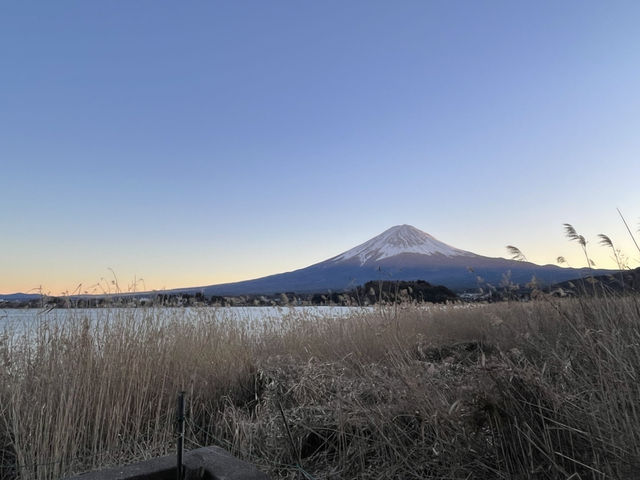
x: 208, y: 463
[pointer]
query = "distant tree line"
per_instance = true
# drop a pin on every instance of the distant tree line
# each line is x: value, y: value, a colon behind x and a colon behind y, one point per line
x: 402, y: 291
x: 368, y: 294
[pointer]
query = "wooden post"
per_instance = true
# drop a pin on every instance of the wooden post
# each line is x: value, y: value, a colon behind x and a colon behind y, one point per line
x: 179, y: 466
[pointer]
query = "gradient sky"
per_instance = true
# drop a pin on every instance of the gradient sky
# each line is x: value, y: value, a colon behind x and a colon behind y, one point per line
x: 194, y: 143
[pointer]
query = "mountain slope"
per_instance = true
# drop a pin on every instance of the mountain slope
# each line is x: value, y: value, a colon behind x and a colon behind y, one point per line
x: 398, y: 240
x: 400, y: 253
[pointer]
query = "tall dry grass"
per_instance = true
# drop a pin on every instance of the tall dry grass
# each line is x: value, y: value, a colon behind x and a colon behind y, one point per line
x: 545, y: 389
x: 79, y: 394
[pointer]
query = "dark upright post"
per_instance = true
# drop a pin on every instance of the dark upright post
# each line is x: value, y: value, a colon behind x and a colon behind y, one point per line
x: 179, y: 466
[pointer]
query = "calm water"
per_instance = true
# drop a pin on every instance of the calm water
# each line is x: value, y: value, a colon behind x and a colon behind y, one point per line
x: 22, y: 320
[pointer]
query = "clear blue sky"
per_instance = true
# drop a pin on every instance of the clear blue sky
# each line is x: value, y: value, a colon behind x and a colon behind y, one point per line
x: 192, y: 143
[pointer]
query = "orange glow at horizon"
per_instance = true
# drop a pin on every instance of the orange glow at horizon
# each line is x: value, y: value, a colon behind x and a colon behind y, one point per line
x: 73, y: 281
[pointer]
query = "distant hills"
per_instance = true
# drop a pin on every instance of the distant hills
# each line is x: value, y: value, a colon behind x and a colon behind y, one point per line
x: 19, y: 297
x: 625, y: 280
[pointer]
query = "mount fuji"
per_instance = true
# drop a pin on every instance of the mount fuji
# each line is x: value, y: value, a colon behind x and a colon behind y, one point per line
x: 402, y: 252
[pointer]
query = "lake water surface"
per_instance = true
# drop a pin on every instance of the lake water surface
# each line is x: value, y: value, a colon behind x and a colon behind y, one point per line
x: 22, y: 320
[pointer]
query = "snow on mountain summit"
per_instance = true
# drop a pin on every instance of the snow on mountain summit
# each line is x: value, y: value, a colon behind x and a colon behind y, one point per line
x: 398, y: 240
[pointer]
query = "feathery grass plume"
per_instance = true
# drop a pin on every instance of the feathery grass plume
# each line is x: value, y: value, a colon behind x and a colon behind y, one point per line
x: 533, y: 284
x: 607, y: 242
x: 573, y: 235
x: 516, y: 253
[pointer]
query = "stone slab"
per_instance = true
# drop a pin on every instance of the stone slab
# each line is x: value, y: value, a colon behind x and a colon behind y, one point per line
x: 207, y: 463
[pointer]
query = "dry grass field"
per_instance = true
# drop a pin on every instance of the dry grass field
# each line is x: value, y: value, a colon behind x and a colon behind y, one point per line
x: 547, y: 389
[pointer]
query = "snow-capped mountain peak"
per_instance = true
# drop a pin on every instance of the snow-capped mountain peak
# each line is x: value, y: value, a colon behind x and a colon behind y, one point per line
x: 398, y: 240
